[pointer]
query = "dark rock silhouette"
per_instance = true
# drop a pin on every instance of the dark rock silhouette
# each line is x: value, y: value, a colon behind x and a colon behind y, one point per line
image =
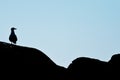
x: 13, y: 37
x: 115, y: 59
x: 18, y: 62
x: 115, y: 66
x: 88, y: 68
x: 83, y: 68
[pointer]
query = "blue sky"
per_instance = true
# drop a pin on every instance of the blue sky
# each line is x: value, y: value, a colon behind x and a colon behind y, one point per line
x: 64, y: 29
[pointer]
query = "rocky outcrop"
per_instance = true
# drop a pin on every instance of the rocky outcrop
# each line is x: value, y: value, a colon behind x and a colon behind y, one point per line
x: 18, y: 62
x: 27, y: 63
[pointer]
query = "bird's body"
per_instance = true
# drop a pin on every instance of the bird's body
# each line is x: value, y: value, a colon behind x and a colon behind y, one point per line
x: 13, y: 37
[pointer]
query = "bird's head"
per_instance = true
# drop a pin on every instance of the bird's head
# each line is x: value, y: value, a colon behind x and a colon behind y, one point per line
x: 13, y: 28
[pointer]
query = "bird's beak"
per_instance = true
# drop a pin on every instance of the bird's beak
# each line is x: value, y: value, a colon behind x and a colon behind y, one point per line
x: 15, y: 28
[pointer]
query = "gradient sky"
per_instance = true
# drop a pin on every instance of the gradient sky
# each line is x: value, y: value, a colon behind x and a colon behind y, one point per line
x: 64, y: 29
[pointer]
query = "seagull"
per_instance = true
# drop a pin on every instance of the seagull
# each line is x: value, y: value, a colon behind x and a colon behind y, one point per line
x: 13, y: 37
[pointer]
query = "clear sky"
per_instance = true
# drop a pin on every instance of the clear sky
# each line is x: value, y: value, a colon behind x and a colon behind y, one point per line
x: 64, y: 29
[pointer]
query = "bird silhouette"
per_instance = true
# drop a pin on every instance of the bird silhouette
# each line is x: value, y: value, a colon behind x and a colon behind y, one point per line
x: 13, y: 37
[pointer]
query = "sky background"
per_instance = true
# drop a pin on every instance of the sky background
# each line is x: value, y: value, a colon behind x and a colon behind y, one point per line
x: 64, y: 29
